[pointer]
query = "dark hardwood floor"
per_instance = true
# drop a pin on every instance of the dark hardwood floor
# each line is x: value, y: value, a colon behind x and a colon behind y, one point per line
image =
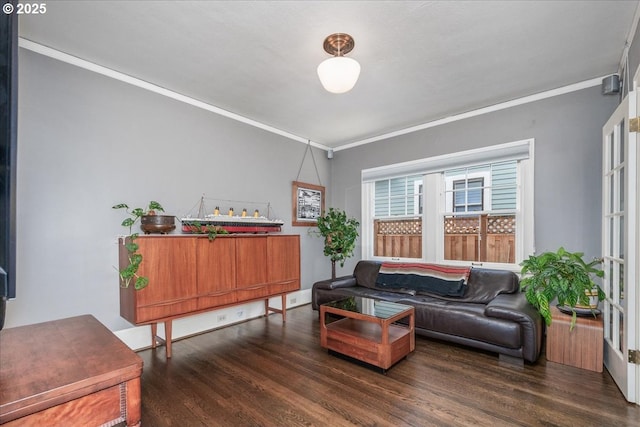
x: 261, y: 373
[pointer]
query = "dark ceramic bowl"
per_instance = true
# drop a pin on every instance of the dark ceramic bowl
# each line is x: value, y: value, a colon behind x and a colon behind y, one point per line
x: 157, y: 223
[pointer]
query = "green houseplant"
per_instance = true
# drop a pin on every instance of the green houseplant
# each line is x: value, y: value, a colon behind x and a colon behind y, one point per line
x: 560, y: 275
x: 130, y: 272
x: 340, y: 234
x: 210, y: 230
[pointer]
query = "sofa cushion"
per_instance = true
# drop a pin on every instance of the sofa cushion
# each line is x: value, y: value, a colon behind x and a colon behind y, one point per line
x: 485, y: 284
x: 366, y: 273
x: 423, y: 278
x: 466, y: 320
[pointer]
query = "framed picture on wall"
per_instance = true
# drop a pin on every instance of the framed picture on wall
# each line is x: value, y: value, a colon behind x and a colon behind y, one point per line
x: 308, y: 204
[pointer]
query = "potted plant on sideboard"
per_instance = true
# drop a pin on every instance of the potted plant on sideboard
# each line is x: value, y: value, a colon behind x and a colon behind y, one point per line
x: 564, y: 276
x: 150, y: 223
x: 340, y: 234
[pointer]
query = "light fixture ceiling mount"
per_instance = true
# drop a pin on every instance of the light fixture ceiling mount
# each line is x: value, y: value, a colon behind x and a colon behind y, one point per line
x: 338, y: 74
x: 338, y: 44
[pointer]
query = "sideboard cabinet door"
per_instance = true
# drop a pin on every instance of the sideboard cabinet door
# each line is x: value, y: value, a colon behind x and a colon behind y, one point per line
x: 251, y: 258
x: 172, y: 282
x: 283, y: 263
x: 216, y: 270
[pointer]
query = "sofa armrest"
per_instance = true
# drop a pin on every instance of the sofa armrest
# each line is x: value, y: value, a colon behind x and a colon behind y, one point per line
x: 325, y: 286
x: 515, y: 307
x: 339, y: 282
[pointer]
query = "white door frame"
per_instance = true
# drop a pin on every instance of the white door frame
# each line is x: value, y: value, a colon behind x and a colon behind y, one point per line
x: 620, y: 246
x: 636, y: 253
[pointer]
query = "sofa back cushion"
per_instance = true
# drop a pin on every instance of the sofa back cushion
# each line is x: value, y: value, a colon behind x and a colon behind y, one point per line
x: 366, y: 273
x: 485, y: 284
x: 429, y: 279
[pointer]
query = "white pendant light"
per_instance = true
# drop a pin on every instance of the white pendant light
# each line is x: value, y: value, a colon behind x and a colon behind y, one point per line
x: 338, y: 74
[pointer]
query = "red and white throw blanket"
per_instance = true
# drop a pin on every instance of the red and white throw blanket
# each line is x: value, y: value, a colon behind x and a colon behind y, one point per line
x: 424, y: 278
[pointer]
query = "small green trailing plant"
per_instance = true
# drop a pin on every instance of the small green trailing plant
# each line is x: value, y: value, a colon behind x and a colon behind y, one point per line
x: 560, y: 275
x: 210, y: 230
x: 130, y: 273
x: 340, y: 234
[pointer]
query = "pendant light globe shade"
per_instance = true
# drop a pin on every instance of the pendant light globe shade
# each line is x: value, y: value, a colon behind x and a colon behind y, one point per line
x: 339, y: 74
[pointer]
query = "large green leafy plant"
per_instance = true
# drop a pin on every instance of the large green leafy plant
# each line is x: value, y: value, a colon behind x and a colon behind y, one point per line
x: 130, y: 272
x: 340, y: 234
x: 560, y: 275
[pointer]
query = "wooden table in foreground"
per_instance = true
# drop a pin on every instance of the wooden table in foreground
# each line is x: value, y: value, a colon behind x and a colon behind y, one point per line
x: 368, y: 330
x: 68, y: 372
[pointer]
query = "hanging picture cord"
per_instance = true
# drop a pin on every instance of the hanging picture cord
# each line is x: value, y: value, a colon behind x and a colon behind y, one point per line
x: 314, y: 162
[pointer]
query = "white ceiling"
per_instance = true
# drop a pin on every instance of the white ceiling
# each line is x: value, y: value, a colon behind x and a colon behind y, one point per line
x: 421, y: 61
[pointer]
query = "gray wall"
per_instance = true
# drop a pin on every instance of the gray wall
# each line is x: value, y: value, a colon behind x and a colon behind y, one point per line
x: 567, y: 131
x: 87, y: 142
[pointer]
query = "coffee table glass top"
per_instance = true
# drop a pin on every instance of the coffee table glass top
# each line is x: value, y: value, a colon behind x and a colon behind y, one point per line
x: 369, y: 306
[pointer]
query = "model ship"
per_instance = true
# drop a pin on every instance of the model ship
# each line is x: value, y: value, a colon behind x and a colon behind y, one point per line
x: 229, y: 221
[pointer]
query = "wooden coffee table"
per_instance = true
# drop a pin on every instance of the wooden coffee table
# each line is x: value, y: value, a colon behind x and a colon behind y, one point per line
x: 68, y: 372
x: 368, y: 330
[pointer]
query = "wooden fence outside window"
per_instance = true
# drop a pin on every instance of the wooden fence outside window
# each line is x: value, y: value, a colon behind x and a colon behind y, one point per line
x: 398, y: 238
x: 488, y: 238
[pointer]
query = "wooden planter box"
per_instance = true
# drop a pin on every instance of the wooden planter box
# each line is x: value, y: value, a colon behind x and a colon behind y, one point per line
x: 582, y: 347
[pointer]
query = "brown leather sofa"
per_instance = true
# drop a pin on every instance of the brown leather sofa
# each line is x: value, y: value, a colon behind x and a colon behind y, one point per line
x: 491, y: 315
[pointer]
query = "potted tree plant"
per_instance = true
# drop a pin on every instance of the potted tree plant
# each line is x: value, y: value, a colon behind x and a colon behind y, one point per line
x: 148, y: 225
x: 564, y: 276
x: 340, y: 234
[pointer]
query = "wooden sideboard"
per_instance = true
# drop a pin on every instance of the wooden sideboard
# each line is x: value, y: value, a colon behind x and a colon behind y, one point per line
x: 190, y: 274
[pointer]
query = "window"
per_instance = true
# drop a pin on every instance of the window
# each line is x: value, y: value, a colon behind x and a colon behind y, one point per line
x: 467, y: 195
x: 470, y: 207
x: 398, y: 196
x: 479, y: 214
x: 397, y: 221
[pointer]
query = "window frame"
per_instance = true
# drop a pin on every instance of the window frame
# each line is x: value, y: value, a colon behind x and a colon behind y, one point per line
x: 466, y: 205
x: 486, y: 185
x: 368, y: 208
x: 435, y: 207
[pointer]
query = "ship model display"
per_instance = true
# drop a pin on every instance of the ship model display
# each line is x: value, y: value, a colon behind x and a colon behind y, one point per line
x: 230, y: 221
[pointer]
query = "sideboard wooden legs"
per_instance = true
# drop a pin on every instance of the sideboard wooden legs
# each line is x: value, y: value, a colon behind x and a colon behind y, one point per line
x: 155, y: 339
x: 282, y: 311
